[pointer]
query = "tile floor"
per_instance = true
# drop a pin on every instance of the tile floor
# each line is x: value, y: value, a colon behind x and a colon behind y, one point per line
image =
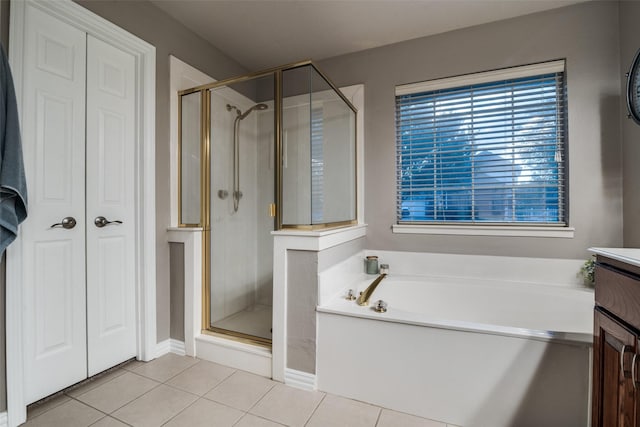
x: 255, y: 320
x: 180, y: 391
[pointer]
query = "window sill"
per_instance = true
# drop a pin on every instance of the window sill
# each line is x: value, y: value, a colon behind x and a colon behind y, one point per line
x: 485, y: 230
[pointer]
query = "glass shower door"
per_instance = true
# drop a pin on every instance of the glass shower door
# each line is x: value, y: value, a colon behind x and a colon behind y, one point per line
x: 241, y: 207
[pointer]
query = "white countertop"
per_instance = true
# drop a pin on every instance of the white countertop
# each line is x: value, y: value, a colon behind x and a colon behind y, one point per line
x: 628, y: 255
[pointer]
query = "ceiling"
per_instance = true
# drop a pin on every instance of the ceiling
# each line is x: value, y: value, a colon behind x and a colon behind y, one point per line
x: 264, y: 33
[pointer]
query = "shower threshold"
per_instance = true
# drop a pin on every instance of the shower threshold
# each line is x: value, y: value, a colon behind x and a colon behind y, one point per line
x: 252, y: 324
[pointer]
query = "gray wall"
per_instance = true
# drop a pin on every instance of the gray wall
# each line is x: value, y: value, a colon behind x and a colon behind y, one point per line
x: 4, y: 23
x: 170, y: 38
x: 587, y: 36
x: 629, y: 43
x: 176, y: 284
x: 302, y: 299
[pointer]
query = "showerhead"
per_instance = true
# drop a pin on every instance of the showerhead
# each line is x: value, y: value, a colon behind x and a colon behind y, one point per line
x: 255, y: 107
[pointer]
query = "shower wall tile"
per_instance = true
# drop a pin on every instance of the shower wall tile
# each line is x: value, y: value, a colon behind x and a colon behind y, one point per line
x: 240, y: 272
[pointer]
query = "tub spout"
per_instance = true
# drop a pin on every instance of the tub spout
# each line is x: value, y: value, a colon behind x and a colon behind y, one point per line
x: 363, y: 299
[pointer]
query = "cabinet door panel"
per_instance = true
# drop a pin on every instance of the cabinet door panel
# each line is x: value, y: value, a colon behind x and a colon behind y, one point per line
x: 614, y: 397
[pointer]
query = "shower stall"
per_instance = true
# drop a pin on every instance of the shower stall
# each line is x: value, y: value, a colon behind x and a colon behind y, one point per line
x: 268, y: 151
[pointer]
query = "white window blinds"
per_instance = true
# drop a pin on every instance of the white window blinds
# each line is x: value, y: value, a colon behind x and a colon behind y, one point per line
x: 317, y: 165
x: 484, y: 148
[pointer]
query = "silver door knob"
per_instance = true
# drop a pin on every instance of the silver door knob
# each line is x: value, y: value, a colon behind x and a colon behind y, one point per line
x: 68, y: 222
x: 102, y: 221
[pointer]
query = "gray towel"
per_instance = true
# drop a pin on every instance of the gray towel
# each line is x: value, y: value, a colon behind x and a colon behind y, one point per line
x: 13, y: 185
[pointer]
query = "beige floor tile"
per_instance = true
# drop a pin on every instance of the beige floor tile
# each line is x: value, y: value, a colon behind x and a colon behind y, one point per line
x: 132, y: 365
x: 46, y: 405
x: 94, y: 382
x: 205, y: 413
x: 287, y: 405
x: 165, y: 367
x: 390, y: 418
x: 156, y: 407
x: 241, y: 390
x: 201, y: 377
x: 336, y: 411
x: 69, y: 414
x: 118, y: 392
x: 253, y: 421
x: 109, y: 422
x: 451, y: 425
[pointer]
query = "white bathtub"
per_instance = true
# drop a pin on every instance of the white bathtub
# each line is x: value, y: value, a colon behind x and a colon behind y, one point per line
x: 468, y: 352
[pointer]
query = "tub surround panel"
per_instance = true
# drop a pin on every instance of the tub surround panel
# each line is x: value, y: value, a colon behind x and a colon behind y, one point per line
x: 455, y: 377
x: 332, y: 279
x: 556, y: 272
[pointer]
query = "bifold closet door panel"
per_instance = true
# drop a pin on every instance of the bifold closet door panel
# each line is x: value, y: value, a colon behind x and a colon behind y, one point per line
x: 111, y: 273
x: 53, y: 236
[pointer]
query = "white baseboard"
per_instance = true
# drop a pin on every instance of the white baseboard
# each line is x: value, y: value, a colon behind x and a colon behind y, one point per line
x: 3, y: 419
x: 300, y: 379
x: 177, y: 347
x: 169, y: 346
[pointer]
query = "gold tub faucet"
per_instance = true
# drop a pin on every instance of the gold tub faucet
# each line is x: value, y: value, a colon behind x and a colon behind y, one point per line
x: 363, y: 299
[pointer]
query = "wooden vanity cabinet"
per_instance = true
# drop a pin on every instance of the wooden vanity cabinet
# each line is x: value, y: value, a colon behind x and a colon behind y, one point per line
x: 614, y: 397
x: 616, y: 346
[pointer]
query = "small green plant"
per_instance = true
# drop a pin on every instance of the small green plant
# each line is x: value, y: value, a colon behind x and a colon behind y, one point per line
x: 588, y: 271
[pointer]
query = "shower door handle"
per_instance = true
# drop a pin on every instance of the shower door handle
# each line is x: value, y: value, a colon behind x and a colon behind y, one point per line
x: 102, y: 221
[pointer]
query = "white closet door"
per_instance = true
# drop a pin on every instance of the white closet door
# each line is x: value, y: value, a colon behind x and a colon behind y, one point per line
x: 111, y: 273
x: 53, y: 126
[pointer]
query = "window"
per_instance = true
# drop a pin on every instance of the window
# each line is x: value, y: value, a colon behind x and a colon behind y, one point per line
x: 487, y: 148
x: 317, y: 165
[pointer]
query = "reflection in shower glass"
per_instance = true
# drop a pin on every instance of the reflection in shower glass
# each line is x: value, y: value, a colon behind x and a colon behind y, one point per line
x: 190, y: 138
x: 242, y: 190
x: 319, y: 151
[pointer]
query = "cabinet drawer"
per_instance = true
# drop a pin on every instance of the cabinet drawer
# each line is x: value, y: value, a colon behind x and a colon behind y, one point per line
x: 619, y: 294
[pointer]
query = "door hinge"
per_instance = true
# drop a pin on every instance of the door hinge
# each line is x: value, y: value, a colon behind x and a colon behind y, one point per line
x: 272, y: 210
